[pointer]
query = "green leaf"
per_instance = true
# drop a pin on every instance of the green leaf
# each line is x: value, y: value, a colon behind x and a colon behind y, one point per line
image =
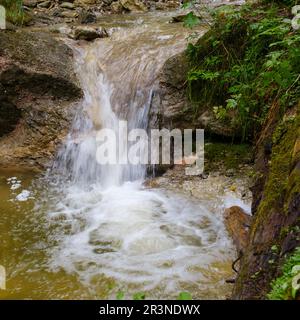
x: 191, y: 20
x: 231, y: 103
x: 185, y: 296
x: 139, y: 296
x: 274, y: 248
x: 120, y: 295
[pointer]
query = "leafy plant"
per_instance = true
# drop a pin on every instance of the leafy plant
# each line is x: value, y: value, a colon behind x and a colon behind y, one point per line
x: 185, y: 296
x: 283, y: 287
x: 139, y: 296
x: 246, y: 63
x: 120, y: 295
x: 191, y: 20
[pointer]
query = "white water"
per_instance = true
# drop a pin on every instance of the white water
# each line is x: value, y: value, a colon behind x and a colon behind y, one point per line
x: 110, y: 226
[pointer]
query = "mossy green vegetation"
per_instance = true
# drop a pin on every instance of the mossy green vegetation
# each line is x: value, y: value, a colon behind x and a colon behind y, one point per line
x: 14, y: 11
x: 284, y: 139
x: 247, y: 62
x: 246, y: 69
x: 221, y: 155
x: 283, y: 287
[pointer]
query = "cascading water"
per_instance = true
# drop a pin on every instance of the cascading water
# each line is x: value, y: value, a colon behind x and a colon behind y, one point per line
x: 104, y: 230
x: 118, y: 76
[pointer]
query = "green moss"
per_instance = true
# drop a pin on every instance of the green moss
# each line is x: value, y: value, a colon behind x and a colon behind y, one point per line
x: 226, y: 156
x: 293, y: 185
x: 282, y: 286
x: 279, y: 184
x: 280, y: 164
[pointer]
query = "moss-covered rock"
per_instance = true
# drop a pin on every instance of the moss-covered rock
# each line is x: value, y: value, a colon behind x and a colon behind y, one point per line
x: 277, y: 217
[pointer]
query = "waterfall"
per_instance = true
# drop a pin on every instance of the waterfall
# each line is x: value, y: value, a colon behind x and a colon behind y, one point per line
x: 107, y: 224
x: 118, y: 77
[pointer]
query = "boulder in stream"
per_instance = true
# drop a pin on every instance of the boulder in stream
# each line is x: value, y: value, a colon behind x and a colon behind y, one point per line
x: 237, y: 223
x: 133, y: 5
x: 89, y: 33
x: 38, y: 90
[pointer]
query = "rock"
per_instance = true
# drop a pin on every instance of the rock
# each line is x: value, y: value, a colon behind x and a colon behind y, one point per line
x: 86, y: 17
x: 116, y: 7
x: 10, y: 27
x: 237, y: 223
x: 172, y: 108
x: 208, y: 121
x: 179, y: 18
x: 133, y: 5
x: 61, y: 28
x: 67, y: 5
x: 89, y: 33
x: 168, y: 105
x: 230, y: 173
x: 275, y: 206
x: 38, y: 89
x: 44, y: 4
x: 85, y: 2
x: 30, y: 3
x: 166, y: 5
x: 68, y: 14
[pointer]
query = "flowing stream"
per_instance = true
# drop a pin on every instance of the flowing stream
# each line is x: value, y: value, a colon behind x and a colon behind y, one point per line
x: 90, y: 231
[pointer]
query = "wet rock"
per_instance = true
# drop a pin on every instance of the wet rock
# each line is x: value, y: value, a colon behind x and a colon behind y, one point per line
x: 276, y: 206
x: 89, y: 33
x: 208, y: 121
x: 85, y: 2
x: 31, y: 3
x: 168, y: 105
x: 230, y: 172
x: 179, y: 18
x: 38, y: 89
x: 167, y: 4
x: 171, y: 108
x: 68, y: 14
x: 44, y: 4
x: 133, y: 5
x: 68, y: 5
x: 10, y: 26
x: 237, y: 223
x: 10, y: 116
x: 87, y: 16
x: 116, y: 7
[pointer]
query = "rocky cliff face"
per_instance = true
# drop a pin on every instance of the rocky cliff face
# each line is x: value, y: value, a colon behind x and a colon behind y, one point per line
x: 38, y: 90
x: 275, y: 231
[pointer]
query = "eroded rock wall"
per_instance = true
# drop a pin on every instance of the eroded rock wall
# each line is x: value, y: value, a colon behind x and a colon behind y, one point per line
x: 38, y: 91
x: 275, y: 231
